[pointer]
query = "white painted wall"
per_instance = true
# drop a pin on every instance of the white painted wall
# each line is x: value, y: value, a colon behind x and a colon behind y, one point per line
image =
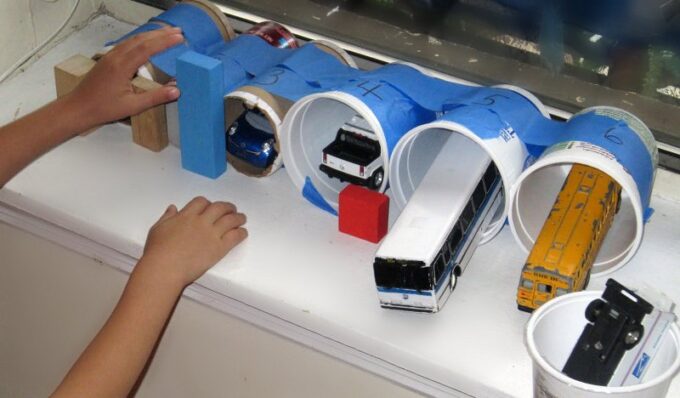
x: 53, y: 301
x: 129, y: 11
x: 24, y: 24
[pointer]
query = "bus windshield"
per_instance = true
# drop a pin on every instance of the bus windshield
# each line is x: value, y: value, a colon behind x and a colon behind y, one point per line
x: 413, y: 275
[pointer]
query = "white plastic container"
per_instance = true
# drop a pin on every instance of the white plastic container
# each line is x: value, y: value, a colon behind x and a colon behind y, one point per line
x: 310, y: 125
x: 415, y: 152
x: 552, y: 332
x: 535, y: 191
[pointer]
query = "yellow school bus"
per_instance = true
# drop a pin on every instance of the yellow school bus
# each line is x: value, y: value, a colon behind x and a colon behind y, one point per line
x: 567, y: 245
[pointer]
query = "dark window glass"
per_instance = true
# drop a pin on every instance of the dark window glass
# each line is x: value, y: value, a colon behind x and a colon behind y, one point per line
x: 439, y: 266
x: 478, y: 196
x: 402, y: 274
x: 454, y: 238
x: 490, y: 176
x: 467, y: 216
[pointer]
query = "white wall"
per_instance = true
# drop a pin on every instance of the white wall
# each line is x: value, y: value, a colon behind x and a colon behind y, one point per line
x: 129, y: 11
x: 53, y: 301
x: 25, y: 24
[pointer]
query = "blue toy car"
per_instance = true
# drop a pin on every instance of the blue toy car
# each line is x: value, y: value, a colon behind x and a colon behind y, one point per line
x: 250, y: 138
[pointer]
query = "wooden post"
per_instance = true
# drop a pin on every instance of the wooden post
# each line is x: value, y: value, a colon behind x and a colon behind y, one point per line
x: 149, y: 128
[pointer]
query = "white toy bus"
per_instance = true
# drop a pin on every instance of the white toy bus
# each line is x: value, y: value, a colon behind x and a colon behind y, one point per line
x: 354, y: 155
x: 417, y: 265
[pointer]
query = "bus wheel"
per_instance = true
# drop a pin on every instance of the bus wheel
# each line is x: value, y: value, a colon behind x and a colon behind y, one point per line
x: 455, y: 273
x: 593, y: 310
x: 377, y: 179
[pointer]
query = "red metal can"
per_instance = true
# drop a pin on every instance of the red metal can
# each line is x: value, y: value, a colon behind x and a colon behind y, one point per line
x: 273, y: 33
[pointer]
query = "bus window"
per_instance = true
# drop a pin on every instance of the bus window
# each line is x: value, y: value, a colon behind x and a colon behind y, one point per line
x: 489, y: 177
x: 446, y: 254
x: 543, y: 288
x: 439, y: 266
x: 454, y: 238
x: 478, y: 196
x: 560, y: 292
x: 467, y: 216
x: 527, y: 284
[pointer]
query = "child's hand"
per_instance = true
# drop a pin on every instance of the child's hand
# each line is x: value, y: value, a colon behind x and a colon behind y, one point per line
x: 106, y: 93
x: 184, y: 244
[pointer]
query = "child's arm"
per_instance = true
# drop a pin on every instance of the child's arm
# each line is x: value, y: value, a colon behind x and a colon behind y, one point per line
x: 181, y: 246
x: 104, y: 96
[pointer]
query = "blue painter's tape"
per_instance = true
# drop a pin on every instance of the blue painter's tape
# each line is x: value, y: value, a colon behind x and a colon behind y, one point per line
x: 310, y: 193
x: 541, y: 134
x: 604, y: 131
x: 402, y: 98
x: 319, y: 68
x: 246, y: 57
x: 242, y: 59
x: 480, y: 120
x: 396, y: 112
x: 494, y: 112
x: 201, y: 114
x: 147, y: 27
x: 428, y: 92
x: 198, y: 27
x: 621, y: 141
x: 308, y: 70
x: 441, y: 96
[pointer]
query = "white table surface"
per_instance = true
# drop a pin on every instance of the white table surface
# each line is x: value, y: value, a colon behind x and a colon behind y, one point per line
x: 296, y: 275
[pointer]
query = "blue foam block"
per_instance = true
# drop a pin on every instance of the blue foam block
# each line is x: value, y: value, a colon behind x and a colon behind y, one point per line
x: 201, y: 114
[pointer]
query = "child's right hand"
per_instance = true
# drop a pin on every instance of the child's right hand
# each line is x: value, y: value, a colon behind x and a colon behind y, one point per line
x: 106, y: 94
x: 184, y: 244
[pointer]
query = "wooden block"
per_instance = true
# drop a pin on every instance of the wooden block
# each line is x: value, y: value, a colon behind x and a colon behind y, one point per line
x: 149, y: 128
x: 363, y: 213
x: 69, y: 73
x: 201, y: 114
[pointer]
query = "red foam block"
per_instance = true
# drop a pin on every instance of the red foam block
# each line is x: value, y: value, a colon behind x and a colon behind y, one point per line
x: 363, y: 213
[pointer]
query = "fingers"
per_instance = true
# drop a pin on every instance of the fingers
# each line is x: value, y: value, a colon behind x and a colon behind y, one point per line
x: 134, y: 41
x: 149, y: 99
x: 135, y: 52
x: 217, y: 210
x: 223, y: 216
x: 196, y: 206
x: 233, y: 237
x: 230, y: 221
x: 155, y: 42
x: 169, y: 212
